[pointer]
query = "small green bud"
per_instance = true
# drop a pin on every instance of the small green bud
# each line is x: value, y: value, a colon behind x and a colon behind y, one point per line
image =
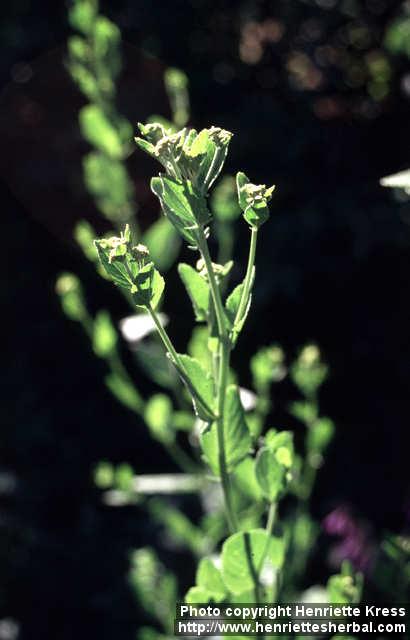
x: 104, y: 475
x: 308, y: 372
x: 68, y: 287
x: 268, y: 365
x: 84, y: 236
x: 123, y: 477
x: 253, y: 200
x: 104, y: 335
x: 153, y: 132
x: 281, y: 444
x: 175, y: 79
x: 131, y: 268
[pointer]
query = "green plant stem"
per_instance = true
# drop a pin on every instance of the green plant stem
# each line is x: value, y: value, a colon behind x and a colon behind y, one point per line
x: 225, y: 479
x: 164, y: 336
x: 215, y: 293
x: 224, y: 356
x: 248, y: 276
x: 176, y: 359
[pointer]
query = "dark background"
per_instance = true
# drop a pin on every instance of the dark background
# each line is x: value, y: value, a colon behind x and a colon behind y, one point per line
x: 333, y: 267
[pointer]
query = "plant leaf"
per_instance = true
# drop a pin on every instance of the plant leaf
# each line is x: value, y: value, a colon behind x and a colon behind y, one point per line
x: 245, y: 554
x: 209, y: 578
x: 185, y: 208
x: 104, y: 334
x: 124, y: 392
x: 236, y: 434
x: 245, y: 478
x: 233, y: 303
x: 200, y: 386
x: 158, y: 416
x: 270, y: 474
x: 99, y: 131
x: 197, y: 595
x: 163, y: 243
x: 157, y: 289
x: 197, y: 289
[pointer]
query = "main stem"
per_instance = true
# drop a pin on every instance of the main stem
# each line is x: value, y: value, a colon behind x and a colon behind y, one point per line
x: 224, y: 357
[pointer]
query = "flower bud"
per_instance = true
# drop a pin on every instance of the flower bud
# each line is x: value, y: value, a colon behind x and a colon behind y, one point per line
x: 253, y: 200
x: 68, y: 287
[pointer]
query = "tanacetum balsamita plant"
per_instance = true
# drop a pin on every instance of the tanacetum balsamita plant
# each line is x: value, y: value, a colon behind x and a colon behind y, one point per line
x: 247, y: 552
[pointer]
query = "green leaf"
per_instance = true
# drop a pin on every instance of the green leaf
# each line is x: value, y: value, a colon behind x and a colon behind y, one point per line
x: 241, y: 181
x: 82, y: 15
x: 158, y: 416
x: 176, y: 84
x: 233, y: 301
x: 185, y: 208
x: 197, y: 595
x: 236, y: 435
x: 84, y: 235
x: 104, y: 475
x: 304, y: 411
x: 104, y: 335
x: 245, y: 554
x: 155, y: 588
x: 198, y: 346
x: 69, y: 288
x: 99, y: 131
x: 233, y: 304
x: 320, y: 434
x: 197, y: 289
x: 199, y: 384
x: 124, y: 392
x: 123, y: 477
x: 108, y: 181
x: 209, y: 578
x: 107, y: 38
x: 345, y: 588
x: 155, y: 364
x: 157, y: 289
x: 308, y: 372
x: 270, y: 474
x: 77, y: 48
x: 216, y: 150
x: 267, y: 366
x: 84, y: 78
x: 245, y: 478
x: 224, y: 201
x: 281, y: 444
x: 163, y: 243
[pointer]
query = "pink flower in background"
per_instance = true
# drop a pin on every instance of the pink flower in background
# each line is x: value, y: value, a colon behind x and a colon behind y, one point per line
x: 355, y: 542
